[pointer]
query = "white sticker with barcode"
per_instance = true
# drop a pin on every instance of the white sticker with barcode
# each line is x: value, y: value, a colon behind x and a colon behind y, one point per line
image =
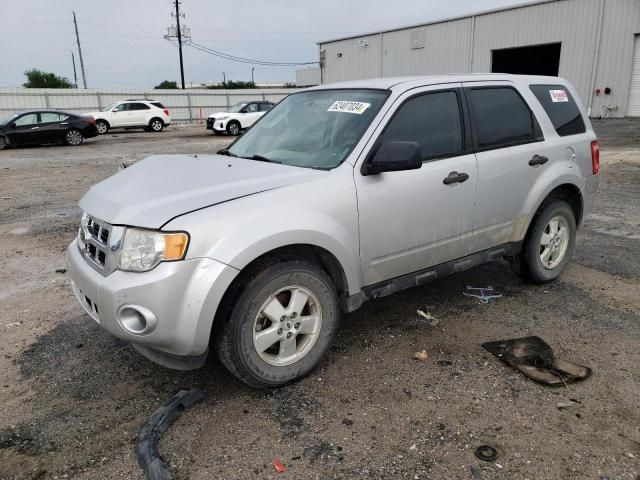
x: 558, y: 96
x: 349, y: 107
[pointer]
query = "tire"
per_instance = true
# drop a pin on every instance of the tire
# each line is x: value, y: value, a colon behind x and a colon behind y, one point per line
x: 156, y: 125
x: 73, y: 137
x: 3, y: 143
x: 259, y: 349
x: 102, y: 126
x: 548, y: 245
x: 233, y: 128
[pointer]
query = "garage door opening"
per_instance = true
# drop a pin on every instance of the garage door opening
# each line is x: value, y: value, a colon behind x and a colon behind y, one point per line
x: 534, y: 60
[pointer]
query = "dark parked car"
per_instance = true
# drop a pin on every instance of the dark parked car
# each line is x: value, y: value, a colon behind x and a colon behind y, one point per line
x: 37, y: 127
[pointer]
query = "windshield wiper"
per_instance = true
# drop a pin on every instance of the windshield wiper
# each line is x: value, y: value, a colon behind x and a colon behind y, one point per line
x: 260, y: 158
x: 225, y: 151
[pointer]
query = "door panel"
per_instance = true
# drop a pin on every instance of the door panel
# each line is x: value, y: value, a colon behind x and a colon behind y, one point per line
x: 411, y: 220
x: 502, y: 117
x: 119, y: 116
x: 26, y: 131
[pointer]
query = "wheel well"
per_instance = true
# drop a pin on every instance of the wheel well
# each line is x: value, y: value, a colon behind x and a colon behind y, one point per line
x: 570, y: 194
x: 321, y: 257
x: 103, y: 121
x: 156, y: 118
x: 234, y: 121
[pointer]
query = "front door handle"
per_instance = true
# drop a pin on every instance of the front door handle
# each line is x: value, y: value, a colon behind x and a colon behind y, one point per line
x: 455, y: 177
x: 538, y: 160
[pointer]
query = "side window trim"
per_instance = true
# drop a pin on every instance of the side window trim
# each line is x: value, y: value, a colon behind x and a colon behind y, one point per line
x: 464, y: 125
x: 474, y: 128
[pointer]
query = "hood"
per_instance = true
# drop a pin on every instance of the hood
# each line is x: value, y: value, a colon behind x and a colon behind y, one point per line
x: 157, y: 189
x: 214, y: 115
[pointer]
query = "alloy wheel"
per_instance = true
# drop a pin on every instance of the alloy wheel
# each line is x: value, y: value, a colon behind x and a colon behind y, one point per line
x: 74, y: 137
x: 287, y: 326
x: 554, y: 242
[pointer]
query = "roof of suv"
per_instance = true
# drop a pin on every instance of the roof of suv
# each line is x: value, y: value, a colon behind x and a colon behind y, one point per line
x: 413, y: 81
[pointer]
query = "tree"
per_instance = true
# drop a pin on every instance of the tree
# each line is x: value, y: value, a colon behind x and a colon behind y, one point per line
x: 39, y: 79
x: 232, y: 85
x: 166, y: 84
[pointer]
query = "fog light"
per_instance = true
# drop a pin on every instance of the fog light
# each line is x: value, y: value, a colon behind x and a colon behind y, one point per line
x: 136, y: 319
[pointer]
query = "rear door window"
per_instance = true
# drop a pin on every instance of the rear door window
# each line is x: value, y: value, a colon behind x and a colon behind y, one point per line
x: 561, y: 108
x: 48, y: 117
x: 138, y: 106
x: 502, y: 118
x: 433, y: 121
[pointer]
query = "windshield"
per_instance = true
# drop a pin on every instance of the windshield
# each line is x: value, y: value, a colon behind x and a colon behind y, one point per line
x: 108, y: 107
x: 237, y: 107
x: 4, y: 120
x: 315, y: 129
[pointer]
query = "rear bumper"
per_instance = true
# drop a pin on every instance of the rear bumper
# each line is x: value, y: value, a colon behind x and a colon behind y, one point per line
x: 184, y: 297
x: 90, y: 131
x: 591, y: 185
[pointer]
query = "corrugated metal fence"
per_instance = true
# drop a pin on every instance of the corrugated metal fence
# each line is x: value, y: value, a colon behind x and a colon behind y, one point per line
x: 184, y: 105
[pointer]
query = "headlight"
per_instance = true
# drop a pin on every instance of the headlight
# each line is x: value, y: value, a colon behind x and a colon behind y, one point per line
x: 143, y: 250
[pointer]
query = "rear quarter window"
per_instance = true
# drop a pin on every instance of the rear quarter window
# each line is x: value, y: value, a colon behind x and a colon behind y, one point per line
x: 157, y: 104
x: 561, y: 109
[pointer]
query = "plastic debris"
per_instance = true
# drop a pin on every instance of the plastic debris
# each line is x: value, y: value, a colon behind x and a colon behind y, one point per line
x: 534, y: 358
x: 413, y: 447
x: 61, y: 270
x: 484, y: 294
x: 277, y: 464
x: 569, y: 404
x: 147, y: 443
x: 422, y: 356
x: 426, y: 314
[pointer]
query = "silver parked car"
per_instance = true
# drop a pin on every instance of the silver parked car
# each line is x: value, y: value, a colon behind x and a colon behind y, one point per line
x: 339, y: 194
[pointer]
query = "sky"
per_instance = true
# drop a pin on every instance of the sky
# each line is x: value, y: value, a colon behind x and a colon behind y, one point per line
x: 123, y: 45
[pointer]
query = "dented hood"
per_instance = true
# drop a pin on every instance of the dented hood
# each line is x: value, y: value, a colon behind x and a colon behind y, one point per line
x: 157, y: 189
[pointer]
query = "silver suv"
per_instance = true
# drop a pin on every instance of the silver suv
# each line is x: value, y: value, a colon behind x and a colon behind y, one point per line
x: 339, y: 194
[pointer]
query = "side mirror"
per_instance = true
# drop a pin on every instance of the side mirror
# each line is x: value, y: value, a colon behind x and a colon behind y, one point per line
x: 394, y: 157
x: 12, y: 125
x: 115, y: 110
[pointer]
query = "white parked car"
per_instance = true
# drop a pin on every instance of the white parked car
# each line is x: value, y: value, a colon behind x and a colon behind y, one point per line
x: 239, y: 117
x: 147, y: 114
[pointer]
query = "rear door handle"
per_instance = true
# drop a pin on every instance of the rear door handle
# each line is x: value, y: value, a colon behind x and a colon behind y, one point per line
x: 455, y: 177
x: 538, y: 160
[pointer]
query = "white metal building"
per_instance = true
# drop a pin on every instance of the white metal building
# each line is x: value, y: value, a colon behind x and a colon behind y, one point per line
x: 593, y: 43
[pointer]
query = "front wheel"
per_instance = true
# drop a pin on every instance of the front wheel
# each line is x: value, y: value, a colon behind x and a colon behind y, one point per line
x: 156, y: 125
x: 73, y: 137
x: 3, y: 142
x: 102, y: 126
x: 280, y: 326
x: 233, y: 128
x: 549, y: 244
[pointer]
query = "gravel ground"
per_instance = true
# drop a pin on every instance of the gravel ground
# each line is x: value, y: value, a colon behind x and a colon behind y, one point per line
x: 72, y: 398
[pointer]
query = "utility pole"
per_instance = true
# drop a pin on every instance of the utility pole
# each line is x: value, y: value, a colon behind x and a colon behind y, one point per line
x: 75, y: 75
x: 252, y: 80
x: 179, y: 42
x: 84, y: 76
x: 224, y: 78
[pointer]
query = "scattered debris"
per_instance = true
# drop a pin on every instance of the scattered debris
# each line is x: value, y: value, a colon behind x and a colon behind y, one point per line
x: 422, y: 356
x: 277, y: 464
x: 486, y: 453
x: 426, y: 314
x: 6, y: 198
x: 485, y: 295
x: 445, y: 363
x: 146, y: 446
x: 413, y: 447
x: 13, y: 324
x: 569, y: 404
x: 347, y: 421
x: 61, y: 270
x: 533, y: 357
x: 476, y: 473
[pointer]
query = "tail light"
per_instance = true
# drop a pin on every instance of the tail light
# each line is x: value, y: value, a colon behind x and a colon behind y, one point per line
x: 166, y: 111
x: 595, y: 156
x: 90, y: 120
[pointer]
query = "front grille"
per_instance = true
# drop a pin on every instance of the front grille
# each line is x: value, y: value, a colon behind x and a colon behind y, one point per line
x: 98, y: 241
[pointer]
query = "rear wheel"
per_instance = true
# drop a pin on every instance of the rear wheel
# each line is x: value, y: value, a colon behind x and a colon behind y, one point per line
x: 233, y: 128
x: 549, y: 244
x: 102, y: 126
x: 280, y: 326
x: 73, y: 137
x: 156, y: 125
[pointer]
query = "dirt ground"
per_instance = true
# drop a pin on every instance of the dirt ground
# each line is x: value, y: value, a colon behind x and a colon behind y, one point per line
x: 72, y: 398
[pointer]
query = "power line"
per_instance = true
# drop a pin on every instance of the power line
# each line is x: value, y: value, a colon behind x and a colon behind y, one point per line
x: 252, y: 61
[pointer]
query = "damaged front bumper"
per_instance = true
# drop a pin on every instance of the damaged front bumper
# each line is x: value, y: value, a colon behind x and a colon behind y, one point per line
x: 179, y: 300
